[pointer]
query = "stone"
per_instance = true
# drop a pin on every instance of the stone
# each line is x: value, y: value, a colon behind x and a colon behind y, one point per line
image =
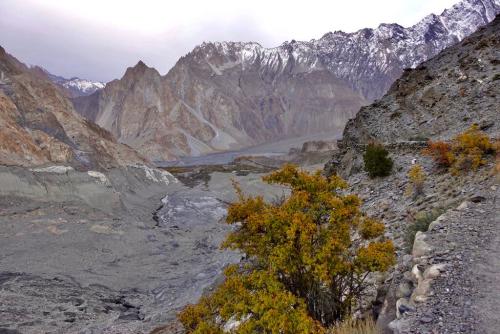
x: 421, y: 292
x: 420, y: 246
x: 416, y: 275
x: 463, y: 206
x: 434, y: 271
x: 404, y: 290
x: 485, y: 124
x: 399, y: 326
x: 403, y: 306
x: 477, y: 198
x: 426, y: 319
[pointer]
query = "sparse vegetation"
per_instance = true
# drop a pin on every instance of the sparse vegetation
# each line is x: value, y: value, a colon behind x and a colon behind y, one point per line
x: 366, y: 326
x: 307, y: 261
x: 377, y: 160
x: 395, y: 115
x: 466, y: 151
x: 482, y: 44
x: 439, y: 151
x: 416, y: 176
x: 420, y: 222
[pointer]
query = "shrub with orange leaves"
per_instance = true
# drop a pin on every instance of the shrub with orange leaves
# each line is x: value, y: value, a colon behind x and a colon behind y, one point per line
x: 466, y: 151
x: 308, y: 259
x: 440, y: 152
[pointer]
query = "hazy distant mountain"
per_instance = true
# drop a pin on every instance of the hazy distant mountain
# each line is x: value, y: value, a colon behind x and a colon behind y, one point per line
x: 75, y: 86
x: 232, y: 94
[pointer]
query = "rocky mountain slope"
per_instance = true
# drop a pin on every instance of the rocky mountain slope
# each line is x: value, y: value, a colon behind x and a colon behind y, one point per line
x: 40, y: 126
x: 444, y: 281
x: 192, y: 110
x: 229, y: 95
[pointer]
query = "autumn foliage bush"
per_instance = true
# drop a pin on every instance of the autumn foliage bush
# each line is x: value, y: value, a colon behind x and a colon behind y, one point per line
x: 307, y: 260
x: 469, y: 149
x: 440, y: 152
x: 466, y: 151
x: 416, y: 177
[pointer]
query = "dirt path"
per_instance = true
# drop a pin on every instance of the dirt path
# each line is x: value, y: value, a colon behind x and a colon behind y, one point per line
x: 488, y: 271
x: 465, y: 297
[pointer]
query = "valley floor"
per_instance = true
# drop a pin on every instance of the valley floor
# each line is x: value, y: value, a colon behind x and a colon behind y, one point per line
x: 125, y: 263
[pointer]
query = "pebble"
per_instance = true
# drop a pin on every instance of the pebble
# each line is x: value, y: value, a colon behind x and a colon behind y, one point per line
x: 426, y: 320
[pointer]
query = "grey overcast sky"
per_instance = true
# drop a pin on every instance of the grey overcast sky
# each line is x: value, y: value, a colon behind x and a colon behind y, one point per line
x: 99, y: 39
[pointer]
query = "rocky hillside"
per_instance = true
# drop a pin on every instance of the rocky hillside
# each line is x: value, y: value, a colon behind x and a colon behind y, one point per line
x: 229, y: 95
x: 40, y: 126
x: 445, y: 279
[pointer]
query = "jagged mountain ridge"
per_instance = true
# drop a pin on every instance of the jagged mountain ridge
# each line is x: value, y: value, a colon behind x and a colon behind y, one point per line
x: 227, y: 95
x: 39, y: 125
x: 369, y: 59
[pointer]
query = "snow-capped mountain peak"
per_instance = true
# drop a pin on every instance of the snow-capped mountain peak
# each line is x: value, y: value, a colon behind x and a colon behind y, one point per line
x: 75, y: 86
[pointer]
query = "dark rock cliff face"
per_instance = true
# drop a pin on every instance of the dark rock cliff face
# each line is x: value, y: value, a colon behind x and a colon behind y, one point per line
x: 230, y: 95
x: 439, y: 98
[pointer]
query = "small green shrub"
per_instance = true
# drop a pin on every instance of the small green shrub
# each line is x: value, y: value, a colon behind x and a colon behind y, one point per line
x: 377, y: 160
x: 395, y: 115
x: 496, y: 77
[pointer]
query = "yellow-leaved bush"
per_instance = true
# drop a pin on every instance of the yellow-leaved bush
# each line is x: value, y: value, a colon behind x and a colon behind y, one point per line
x: 466, y: 151
x: 469, y: 149
x: 416, y: 176
x: 307, y: 260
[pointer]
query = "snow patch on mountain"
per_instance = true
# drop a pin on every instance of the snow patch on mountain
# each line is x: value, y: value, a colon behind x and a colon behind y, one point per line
x: 74, y: 86
x: 83, y: 86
